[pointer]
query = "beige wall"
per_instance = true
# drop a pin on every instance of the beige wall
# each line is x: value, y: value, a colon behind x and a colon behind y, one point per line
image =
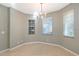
x: 57, y: 37
x: 67, y: 42
x: 17, y: 27
x: 38, y: 36
x: 71, y: 43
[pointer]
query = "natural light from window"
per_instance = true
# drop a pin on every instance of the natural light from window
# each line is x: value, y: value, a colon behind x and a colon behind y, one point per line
x: 68, y: 21
x: 47, y: 26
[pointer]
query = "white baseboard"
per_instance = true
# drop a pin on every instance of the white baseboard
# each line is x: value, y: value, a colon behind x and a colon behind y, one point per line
x: 4, y: 50
x: 70, y: 51
x: 42, y: 43
x: 55, y: 45
x: 17, y: 46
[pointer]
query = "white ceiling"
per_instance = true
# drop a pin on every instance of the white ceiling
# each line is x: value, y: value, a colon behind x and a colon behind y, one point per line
x: 30, y: 8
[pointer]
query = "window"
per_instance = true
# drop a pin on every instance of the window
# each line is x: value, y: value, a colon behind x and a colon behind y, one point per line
x: 68, y: 20
x: 47, y: 26
x: 31, y: 26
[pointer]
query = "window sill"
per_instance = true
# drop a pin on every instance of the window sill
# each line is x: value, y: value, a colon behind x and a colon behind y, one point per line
x: 69, y: 37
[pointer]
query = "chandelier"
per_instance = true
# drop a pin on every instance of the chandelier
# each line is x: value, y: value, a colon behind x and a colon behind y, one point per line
x: 42, y: 14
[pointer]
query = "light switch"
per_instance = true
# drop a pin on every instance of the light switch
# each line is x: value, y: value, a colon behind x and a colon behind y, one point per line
x: 2, y: 32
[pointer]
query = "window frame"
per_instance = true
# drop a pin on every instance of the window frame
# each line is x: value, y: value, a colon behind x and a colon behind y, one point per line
x: 44, y: 23
x: 66, y: 14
